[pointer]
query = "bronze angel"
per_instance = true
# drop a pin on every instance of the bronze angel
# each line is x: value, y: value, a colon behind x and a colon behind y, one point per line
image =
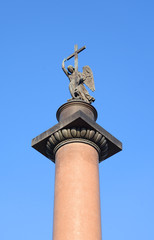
x: 77, y: 79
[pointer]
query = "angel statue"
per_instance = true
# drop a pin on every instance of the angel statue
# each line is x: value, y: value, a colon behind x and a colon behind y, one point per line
x: 77, y: 79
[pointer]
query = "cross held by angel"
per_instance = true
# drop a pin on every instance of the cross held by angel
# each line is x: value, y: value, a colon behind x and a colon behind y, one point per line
x: 78, y: 79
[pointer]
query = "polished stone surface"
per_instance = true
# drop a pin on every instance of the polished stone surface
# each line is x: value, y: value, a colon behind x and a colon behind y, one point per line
x: 77, y: 196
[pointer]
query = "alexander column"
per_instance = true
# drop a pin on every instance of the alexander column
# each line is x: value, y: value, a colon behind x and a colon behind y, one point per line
x: 77, y: 144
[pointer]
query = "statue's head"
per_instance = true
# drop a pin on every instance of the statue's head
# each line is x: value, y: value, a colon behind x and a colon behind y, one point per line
x: 70, y: 68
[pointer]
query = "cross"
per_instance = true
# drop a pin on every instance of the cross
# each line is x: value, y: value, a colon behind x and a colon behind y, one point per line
x: 75, y: 54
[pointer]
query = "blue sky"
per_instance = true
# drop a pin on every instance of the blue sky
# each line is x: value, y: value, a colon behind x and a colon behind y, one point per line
x: 35, y: 37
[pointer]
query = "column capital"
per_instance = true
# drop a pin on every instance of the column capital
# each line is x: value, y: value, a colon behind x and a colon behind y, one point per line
x: 77, y: 123
x: 77, y: 134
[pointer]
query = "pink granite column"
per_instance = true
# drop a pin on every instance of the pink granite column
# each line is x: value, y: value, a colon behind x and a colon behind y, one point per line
x: 77, y: 197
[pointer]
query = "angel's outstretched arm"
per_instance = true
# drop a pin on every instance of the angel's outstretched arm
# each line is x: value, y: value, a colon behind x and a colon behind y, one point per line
x: 64, y: 69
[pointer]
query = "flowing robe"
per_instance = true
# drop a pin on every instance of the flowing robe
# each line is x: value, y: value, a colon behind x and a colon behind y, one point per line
x: 77, y: 89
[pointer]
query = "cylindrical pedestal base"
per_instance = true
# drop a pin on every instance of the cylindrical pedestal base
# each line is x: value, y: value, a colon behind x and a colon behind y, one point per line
x: 77, y: 197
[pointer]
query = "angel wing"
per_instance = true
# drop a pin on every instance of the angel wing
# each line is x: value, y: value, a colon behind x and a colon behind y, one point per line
x: 88, y: 77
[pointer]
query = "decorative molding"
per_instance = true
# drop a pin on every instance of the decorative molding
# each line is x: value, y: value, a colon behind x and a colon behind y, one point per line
x: 70, y: 135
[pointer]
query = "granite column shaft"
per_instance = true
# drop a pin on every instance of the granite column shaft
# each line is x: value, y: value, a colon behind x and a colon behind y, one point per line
x: 77, y: 197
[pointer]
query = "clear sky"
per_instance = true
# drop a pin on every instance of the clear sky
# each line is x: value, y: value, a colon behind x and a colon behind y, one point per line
x: 35, y: 36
